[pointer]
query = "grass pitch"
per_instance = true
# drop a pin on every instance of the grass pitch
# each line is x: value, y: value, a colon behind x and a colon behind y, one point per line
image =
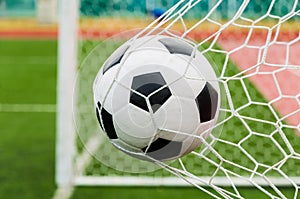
x: 27, y: 139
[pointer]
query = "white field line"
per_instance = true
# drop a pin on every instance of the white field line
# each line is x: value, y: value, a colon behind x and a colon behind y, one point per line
x: 49, y: 108
x: 85, y: 157
x: 23, y: 60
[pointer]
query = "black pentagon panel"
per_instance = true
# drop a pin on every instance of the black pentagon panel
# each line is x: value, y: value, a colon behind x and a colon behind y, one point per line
x: 115, y: 58
x: 159, y: 98
x: 98, y: 115
x: 176, y: 46
x: 207, y: 102
x: 108, y: 124
x: 138, y: 101
x: 146, y: 84
x: 162, y: 149
x: 148, y: 88
x: 98, y: 118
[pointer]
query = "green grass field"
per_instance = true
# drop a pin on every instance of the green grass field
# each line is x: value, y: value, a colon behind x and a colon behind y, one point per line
x: 28, y: 76
x: 27, y: 139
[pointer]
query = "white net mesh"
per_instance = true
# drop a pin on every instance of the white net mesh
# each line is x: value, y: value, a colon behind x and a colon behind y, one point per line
x: 255, y: 58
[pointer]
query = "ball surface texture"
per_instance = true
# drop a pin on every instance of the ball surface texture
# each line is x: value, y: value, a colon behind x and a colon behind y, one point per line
x: 156, y: 97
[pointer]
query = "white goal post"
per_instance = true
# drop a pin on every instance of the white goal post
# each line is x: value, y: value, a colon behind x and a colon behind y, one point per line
x: 259, y: 145
x: 67, y: 63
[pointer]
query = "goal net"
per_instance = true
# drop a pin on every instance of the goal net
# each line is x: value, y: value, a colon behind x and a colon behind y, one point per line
x: 253, y: 47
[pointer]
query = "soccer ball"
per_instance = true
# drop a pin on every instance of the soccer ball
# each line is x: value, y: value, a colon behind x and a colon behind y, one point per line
x: 155, y: 97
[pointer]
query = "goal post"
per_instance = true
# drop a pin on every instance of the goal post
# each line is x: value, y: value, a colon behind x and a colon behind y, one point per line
x: 67, y: 64
x: 253, y: 48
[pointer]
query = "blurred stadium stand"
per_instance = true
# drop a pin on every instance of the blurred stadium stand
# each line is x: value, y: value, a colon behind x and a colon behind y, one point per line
x: 16, y: 8
x: 138, y: 8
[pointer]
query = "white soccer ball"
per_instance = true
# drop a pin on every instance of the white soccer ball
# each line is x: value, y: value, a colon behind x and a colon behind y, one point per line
x: 156, y: 96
